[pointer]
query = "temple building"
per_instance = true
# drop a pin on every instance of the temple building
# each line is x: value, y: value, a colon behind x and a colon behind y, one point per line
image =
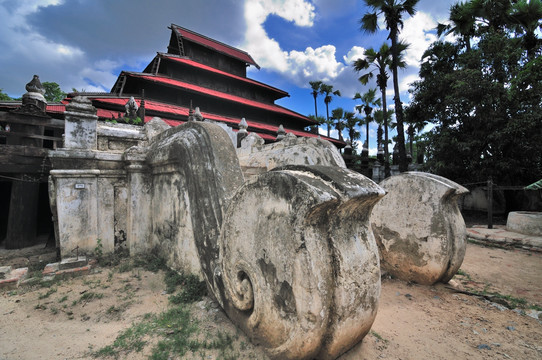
x: 196, y: 71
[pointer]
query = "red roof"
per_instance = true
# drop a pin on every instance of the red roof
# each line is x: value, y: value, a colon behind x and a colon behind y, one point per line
x: 166, y: 111
x: 221, y: 95
x: 216, y: 71
x: 214, y: 44
x: 56, y: 108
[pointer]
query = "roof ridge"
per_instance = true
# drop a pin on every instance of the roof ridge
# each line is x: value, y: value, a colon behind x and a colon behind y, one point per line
x: 243, y: 55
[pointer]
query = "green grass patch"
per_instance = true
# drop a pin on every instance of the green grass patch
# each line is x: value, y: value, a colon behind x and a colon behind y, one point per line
x: 192, y: 289
x: 461, y: 272
x: 175, y: 330
x: 378, y: 336
x: 50, y: 292
x: 89, y: 296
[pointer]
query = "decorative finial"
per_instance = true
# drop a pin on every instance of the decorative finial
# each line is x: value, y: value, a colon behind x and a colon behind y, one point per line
x: 242, y: 133
x: 131, y: 108
x: 35, y: 85
x: 243, y: 126
x: 197, y: 114
x: 281, y: 133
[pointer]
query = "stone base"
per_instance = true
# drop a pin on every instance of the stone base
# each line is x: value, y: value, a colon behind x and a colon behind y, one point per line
x: 72, y: 263
x: 525, y: 222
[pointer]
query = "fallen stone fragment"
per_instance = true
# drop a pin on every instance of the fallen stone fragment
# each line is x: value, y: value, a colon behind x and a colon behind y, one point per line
x: 300, y: 272
x: 418, y: 228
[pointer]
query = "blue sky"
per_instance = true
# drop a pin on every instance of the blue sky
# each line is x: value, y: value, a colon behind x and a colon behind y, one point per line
x: 84, y: 44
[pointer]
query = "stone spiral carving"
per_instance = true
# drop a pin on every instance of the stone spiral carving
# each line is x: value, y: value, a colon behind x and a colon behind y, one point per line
x: 299, y: 266
x: 289, y: 255
x: 419, y: 230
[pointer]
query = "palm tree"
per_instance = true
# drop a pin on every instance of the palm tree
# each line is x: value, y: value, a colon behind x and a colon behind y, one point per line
x: 367, y: 99
x: 350, y: 123
x: 493, y: 14
x: 315, y: 85
x: 380, y: 61
x: 525, y: 17
x: 327, y: 90
x: 393, y: 11
x: 384, y: 118
x: 319, y: 121
x: 462, y: 23
x: 337, y: 115
x: 416, y: 123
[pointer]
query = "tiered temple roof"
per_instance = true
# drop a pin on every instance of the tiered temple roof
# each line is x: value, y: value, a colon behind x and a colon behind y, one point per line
x: 198, y: 71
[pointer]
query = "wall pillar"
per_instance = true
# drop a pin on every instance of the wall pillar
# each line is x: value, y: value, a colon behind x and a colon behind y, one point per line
x: 77, y: 210
x: 139, y: 221
x: 80, y: 125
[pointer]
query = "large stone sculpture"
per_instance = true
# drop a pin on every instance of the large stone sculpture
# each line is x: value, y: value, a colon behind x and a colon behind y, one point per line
x: 289, y: 255
x: 419, y: 230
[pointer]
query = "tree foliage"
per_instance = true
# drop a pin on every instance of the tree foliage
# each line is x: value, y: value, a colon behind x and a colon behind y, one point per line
x: 328, y: 92
x: 393, y: 13
x: 4, y: 96
x: 53, y: 93
x: 485, y: 103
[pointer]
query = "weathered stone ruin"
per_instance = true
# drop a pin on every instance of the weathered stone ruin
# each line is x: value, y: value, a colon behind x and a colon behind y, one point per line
x: 289, y: 255
x: 419, y: 230
x: 281, y: 233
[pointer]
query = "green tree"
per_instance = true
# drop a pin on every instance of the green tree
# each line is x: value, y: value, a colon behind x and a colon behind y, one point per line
x: 319, y: 120
x: 53, y: 93
x: 462, y: 23
x: 368, y: 101
x: 4, y: 96
x: 380, y: 61
x: 351, y: 124
x: 315, y: 86
x: 393, y: 12
x: 486, y: 107
x: 327, y: 91
x: 525, y: 18
x: 383, y: 121
x: 337, y: 116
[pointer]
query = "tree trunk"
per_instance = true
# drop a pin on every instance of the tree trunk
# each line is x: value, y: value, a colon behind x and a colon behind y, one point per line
x: 367, y: 137
x: 387, y: 172
x: 328, y: 124
x: 403, y: 164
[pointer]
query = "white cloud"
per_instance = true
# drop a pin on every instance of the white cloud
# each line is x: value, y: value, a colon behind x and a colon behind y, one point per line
x: 355, y: 53
x: 300, y: 66
x: 319, y: 63
x: 419, y: 32
x: 404, y: 85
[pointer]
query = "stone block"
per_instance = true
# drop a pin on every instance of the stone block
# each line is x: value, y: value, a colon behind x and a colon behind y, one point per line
x: 71, y: 263
x: 421, y: 234
x: 525, y: 222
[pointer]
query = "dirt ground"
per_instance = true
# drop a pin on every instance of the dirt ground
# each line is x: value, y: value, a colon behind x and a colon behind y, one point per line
x: 75, y: 317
